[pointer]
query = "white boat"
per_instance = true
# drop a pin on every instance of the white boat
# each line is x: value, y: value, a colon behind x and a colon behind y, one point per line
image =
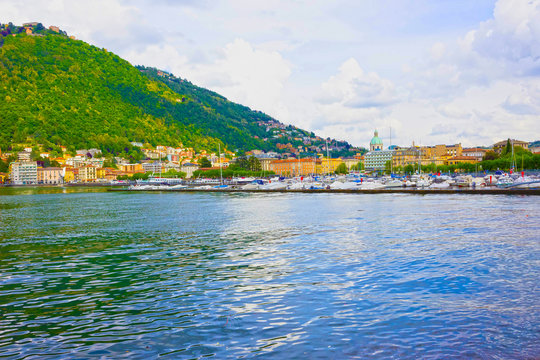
x: 255, y: 184
x: 464, y: 181
x: 478, y: 182
x: 273, y: 185
x: 440, y: 185
x: 177, y: 187
x: 297, y: 186
x: 394, y: 183
x: 371, y: 185
x: 410, y: 183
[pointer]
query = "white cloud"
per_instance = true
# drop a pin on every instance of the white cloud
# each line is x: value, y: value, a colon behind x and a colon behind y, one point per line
x: 353, y: 87
x: 513, y: 35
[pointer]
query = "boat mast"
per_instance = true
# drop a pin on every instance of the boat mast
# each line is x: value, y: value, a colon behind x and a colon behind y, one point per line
x: 391, y: 154
x: 220, y: 169
x: 513, y: 159
x: 327, y: 158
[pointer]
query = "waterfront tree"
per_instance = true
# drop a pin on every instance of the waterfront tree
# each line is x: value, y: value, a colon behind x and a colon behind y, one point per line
x: 342, y: 169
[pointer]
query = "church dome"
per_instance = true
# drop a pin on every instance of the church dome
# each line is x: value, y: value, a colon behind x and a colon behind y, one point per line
x: 376, y: 140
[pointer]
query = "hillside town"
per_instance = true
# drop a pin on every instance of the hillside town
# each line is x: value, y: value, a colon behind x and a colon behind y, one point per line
x: 30, y: 166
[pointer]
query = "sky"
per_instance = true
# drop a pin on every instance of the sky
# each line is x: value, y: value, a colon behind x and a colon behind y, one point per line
x: 423, y: 71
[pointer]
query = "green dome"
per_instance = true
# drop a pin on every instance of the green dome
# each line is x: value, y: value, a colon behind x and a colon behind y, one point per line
x: 376, y: 140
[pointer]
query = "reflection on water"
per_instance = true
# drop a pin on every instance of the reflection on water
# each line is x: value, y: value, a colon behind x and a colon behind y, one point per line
x: 97, y: 274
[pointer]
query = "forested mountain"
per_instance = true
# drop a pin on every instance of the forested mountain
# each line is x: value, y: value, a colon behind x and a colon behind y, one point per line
x: 59, y: 91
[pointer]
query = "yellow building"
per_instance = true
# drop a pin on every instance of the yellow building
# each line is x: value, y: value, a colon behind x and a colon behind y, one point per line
x: 69, y: 174
x: 328, y: 165
x: 132, y: 168
x: 101, y: 173
x: 455, y: 160
x: 87, y: 173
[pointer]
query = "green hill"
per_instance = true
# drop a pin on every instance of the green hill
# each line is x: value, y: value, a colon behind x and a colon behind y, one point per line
x: 58, y: 91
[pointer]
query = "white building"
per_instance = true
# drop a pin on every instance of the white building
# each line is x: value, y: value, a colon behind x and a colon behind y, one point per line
x: 376, y: 160
x: 153, y: 167
x: 24, y: 173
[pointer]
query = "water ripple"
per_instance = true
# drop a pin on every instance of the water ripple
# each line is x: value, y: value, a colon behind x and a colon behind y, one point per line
x: 106, y: 275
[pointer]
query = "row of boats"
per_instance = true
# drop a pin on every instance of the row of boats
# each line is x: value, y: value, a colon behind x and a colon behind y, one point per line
x: 348, y: 182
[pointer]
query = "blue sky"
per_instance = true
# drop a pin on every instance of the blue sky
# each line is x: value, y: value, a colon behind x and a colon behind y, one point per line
x: 434, y: 71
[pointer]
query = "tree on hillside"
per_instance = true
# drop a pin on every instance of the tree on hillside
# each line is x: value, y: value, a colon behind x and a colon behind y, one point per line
x: 204, y: 162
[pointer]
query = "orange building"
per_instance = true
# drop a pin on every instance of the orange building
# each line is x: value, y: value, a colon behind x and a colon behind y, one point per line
x: 132, y: 168
x: 294, y: 167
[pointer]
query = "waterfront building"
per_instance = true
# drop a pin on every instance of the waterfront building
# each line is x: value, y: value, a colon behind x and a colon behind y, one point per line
x: 132, y: 168
x: 101, y: 173
x: 266, y: 162
x: 70, y: 174
x: 477, y: 153
x: 153, y: 167
x: 376, y: 160
x: 294, y: 167
x: 327, y: 165
x: 189, y: 169
x: 171, y: 166
x: 499, y: 146
x: 23, y: 172
x: 406, y: 156
x: 50, y: 176
x: 87, y: 173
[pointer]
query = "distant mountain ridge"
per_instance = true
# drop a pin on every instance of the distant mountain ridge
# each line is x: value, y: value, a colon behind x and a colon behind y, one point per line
x: 59, y: 91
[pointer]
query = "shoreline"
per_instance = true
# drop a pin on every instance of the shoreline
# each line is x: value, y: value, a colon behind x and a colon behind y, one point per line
x: 344, y: 191
x: 123, y: 188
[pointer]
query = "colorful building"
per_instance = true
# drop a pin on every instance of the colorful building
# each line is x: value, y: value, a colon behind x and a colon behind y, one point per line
x: 87, y: 174
x: 50, y: 176
x: 327, y: 165
x: 132, y: 168
x: 294, y: 167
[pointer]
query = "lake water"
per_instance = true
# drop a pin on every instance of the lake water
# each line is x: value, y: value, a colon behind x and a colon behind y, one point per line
x: 92, y: 274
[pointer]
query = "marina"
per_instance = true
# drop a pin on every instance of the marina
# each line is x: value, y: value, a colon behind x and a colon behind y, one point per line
x: 354, y: 183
